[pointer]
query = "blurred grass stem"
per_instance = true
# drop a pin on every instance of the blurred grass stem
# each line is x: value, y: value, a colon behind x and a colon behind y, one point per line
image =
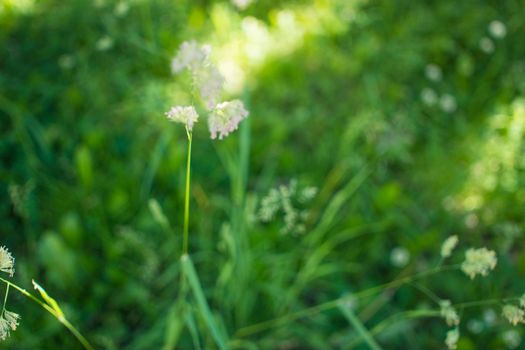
x: 187, y: 196
x: 61, y: 318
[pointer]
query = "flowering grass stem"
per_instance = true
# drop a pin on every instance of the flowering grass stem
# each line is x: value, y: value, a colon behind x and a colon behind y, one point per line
x: 60, y: 317
x: 187, y: 196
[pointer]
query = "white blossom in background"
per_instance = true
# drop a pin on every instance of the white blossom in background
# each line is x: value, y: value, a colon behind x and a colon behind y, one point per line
x: 105, y: 43
x: 489, y: 317
x: 511, y: 338
x: 242, y: 4
x: 186, y: 115
x: 433, y: 72
x: 225, y: 118
x: 479, y: 262
x: 497, y: 29
x: 522, y: 301
x: 429, y: 97
x: 190, y: 56
x: 121, y: 9
x: 448, y: 246
x: 448, y: 103
x: 66, y: 62
x: 486, y: 45
x: 7, y: 262
x: 399, y: 256
x: 210, y: 83
x: 513, y: 314
x: 451, y: 341
x: 475, y: 326
x: 449, y: 313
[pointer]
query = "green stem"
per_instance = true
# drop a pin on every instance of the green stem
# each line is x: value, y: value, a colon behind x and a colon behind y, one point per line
x: 5, y: 300
x: 49, y: 309
x: 187, y: 196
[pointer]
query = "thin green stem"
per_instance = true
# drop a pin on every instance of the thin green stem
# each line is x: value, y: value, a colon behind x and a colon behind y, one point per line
x: 314, y: 310
x: 85, y: 343
x: 5, y: 300
x: 187, y: 196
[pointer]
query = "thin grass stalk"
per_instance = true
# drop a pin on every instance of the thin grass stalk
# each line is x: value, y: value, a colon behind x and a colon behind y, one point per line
x: 62, y: 319
x: 187, y: 197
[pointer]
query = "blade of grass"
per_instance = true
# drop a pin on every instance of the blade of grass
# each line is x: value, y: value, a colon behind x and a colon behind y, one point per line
x: 191, y: 275
x: 358, y: 326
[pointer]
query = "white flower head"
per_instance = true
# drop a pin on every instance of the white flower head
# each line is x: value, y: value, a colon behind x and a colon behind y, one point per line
x: 7, y: 262
x: 449, y: 313
x: 105, y: 43
x: 191, y: 55
x: 429, y: 96
x: 448, y: 103
x: 210, y: 83
x: 451, y: 341
x: 186, y: 115
x: 486, y: 45
x: 399, y: 256
x: 497, y: 29
x: 8, y: 323
x: 479, y: 261
x: 522, y: 301
x: 433, y: 72
x: 225, y: 118
x: 513, y: 314
x: 448, y: 246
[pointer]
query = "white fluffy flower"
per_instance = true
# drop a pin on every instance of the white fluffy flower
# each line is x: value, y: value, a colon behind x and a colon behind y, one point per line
x: 479, y: 261
x: 497, y: 29
x: 8, y: 323
x: 449, y: 313
x: 486, y: 45
x: 448, y: 103
x: 448, y: 246
x: 183, y: 114
x: 452, y: 338
x: 513, y: 314
x: 7, y: 262
x: 191, y: 55
x: 433, y: 72
x: 225, y: 118
x: 429, y: 97
x: 210, y: 83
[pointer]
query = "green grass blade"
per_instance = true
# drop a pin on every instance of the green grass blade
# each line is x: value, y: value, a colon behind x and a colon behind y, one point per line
x: 191, y: 275
x: 358, y: 326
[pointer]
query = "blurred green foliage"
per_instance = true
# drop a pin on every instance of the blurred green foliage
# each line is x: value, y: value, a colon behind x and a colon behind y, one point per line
x: 343, y: 95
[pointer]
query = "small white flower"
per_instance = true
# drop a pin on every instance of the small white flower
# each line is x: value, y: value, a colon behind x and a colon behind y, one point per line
x: 522, y: 301
x: 448, y: 246
x: 475, y: 326
x: 191, y: 55
x: 429, y: 97
x: 210, y: 83
x: 183, y: 114
x: 8, y: 323
x: 433, y: 72
x: 497, y: 29
x: 489, y: 317
x: 7, y: 262
x: 511, y: 338
x: 449, y: 313
x: 105, y: 43
x: 241, y: 4
x: 225, y: 118
x: 451, y: 341
x: 448, y: 103
x: 486, y: 45
x: 513, y: 314
x: 121, y: 9
x: 479, y: 261
x: 399, y: 256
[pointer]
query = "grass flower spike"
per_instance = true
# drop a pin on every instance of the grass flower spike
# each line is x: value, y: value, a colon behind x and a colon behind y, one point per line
x: 185, y: 115
x: 452, y: 338
x: 513, y: 314
x: 190, y: 56
x: 7, y: 262
x: 479, y: 261
x: 225, y: 118
x: 449, y: 313
x: 448, y: 246
x: 8, y: 323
